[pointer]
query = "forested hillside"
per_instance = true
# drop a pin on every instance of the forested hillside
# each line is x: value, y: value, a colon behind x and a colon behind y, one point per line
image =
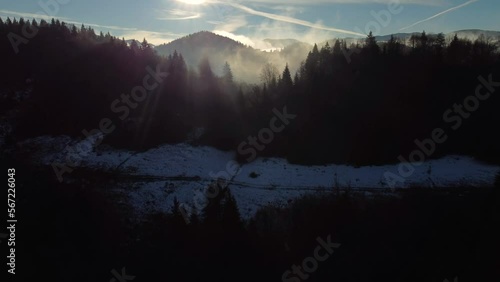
x: 354, y: 103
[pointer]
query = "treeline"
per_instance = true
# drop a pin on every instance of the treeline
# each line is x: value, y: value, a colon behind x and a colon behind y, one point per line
x: 363, y: 103
x: 80, y: 78
x: 367, y: 103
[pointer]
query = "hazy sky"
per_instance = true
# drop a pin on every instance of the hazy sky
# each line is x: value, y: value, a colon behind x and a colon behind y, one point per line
x: 251, y: 21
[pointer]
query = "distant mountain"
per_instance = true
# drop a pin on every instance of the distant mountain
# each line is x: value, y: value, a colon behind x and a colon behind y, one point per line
x: 190, y: 45
x: 401, y: 36
x: 246, y: 62
x: 471, y: 34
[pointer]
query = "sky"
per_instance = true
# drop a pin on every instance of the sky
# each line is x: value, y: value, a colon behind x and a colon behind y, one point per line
x: 250, y: 22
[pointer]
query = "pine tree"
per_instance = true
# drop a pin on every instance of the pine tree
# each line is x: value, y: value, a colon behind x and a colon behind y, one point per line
x: 175, y: 211
x: 286, y: 79
x: 440, y: 40
x: 134, y: 47
x: 83, y: 32
x: 371, y: 44
x: 231, y: 218
x: 440, y: 43
x: 424, y: 40
x: 74, y: 31
x: 312, y: 63
x: 337, y: 48
x: 393, y: 46
x: 212, y: 213
x: 205, y: 70
x: 326, y: 50
x: 227, y: 74
x: 145, y: 45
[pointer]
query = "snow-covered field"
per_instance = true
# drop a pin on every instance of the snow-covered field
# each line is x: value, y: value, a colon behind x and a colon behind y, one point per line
x: 183, y: 171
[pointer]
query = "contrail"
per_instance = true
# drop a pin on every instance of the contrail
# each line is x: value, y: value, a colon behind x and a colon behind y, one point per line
x: 178, y: 15
x: 439, y: 14
x: 287, y: 19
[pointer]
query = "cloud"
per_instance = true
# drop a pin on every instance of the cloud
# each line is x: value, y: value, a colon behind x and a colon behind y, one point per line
x: 257, y: 34
x: 440, y: 14
x: 312, y: 2
x: 240, y: 38
x: 289, y: 10
x: 178, y: 15
x: 290, y: 19
x: 232, y: 23
x: 215, y: 22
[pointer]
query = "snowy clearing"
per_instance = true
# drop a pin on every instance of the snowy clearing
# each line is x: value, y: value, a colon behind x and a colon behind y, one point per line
x: 183, y: 171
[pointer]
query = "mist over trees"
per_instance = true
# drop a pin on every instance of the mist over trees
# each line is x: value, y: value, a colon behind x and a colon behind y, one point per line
x: 355, y: 103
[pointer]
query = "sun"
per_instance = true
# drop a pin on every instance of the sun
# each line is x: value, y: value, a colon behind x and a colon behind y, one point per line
x: 192, y: 2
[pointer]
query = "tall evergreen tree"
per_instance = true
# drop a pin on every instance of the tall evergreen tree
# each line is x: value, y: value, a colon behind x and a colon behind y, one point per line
x: 337, y: 49
x: 227, y: 74
x: 74, y: 31
x: 205, y: 70
x: 135, y: 47
x: 371, y: 44
x: 440, y: 41
x: 286, y: 79
x: 231, y: 218
x: 296, y: 79
x: 212, y: 213
x: 394, y: 47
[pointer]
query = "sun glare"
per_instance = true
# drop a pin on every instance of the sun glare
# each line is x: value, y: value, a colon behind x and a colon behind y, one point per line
x: 192, y: 2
